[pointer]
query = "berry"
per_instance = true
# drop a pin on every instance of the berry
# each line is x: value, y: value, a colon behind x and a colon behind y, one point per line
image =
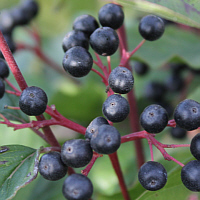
x: 4, y: 70
x: 33, y: 101
x: 167, y: 106
x: 75, y: 38
x: 177, y: 67
x: 187, y: 114
x: 154, y: 118
x: 116, y: 108
x: 76, y: 153
x: 141, y: 68
x: 51, y: 166
x: 7, y: 21
x: 106, y: 139
x: 178, y: 133
x: 195, y: 146
x: 77, y: 187
x: 152, y: 176
x: 77, y: 61
x: 190, y: 175
x: 174, y: 83
x: 151, y: 27
x: 94, y: 125
x: 111, y: 15
x: 2, y: 88
x: 104, y: 41
x: 121, y: 80
x: 86, y: 23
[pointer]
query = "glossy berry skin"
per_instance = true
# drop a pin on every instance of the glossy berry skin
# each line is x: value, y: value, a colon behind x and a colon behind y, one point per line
x: 106, y: 139
x: 152, y: 176
x: 187, y: 114
x: 33, y: 101
x: 4, y: 70
x: 115, y: 108
x: 190, y: 175
x: 141, y: 68
x: 154, y: 118
x: 195, y: 146
x: 151, y: 27
x: 121, y: 80
x: 77, y: 61
x: 111, y: 15
x: 86, y: 23
x: 76, y: 153
x: 104, y: 41
x: 77, y: 187
x: 51, y: 166
x: 94, y: 125
x: 75, y: 38
x: 2, y: 88
x: 178, y: 133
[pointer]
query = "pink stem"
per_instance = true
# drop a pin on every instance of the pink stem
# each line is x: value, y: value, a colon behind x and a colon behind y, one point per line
x: 11, y: 85
x: 11, y: 92
x: 103, y: 78
x: 151, y: 150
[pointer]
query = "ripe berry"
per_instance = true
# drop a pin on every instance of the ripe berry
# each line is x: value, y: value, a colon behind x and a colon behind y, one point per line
x: 4, y: 70
x: 187, y: 114
x: 174, y: 83
x: 104, y: 41
x: 106, y: 139
x: 51, y: 166
x: 154, y: 118
x: 76, y: 153
x: 77, y: 187
x: 141, y: 68
x: 33, y: 101
x: 190, y: 175
x: 151, y: 27
x: 121, y: 80
x: 195, y: 146
x: 152, y: 176
x: 94, y: 125
x: 86, y: 23
x: 7, y: 21
x: 178, y: 133
x: 2, y: 88
x: 75, y: 38
x: 111, y: 15
x: 77, y: 61
x: 115, y: 108
x: 177, y: 67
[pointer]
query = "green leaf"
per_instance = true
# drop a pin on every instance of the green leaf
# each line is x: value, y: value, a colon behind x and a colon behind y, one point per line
x: 181, y: 11
x: 18, y: 167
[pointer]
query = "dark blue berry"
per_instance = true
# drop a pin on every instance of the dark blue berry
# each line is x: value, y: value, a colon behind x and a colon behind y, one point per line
x: 121, y: 80
x: 116, y: 108
x: 178, y: 133
x: 174, y: 83
x: 76, y: 153
x: 77, y: 187
x: 51, y: 166
x: 151, y: 27
x: 106, y: 139
x: 187, y: 114
x: 141, y: 68
x: 111, y: 15
x: 104, y: 41
x: 2, y: 88
x: 4, y: 70
x: 77, y: 61
x: 33, y: 101
x: 152, y: 176
x: 154, y: 118
x: 195, y: 146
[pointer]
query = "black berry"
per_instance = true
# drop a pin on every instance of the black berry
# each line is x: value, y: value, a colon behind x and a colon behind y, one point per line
x: 77, y: 61
x: 195, y: 146
x: 51, y: 166
x: 76, y: 153
x: 178, y: 133
x: 151, y: 27
x: 190, y: 175
x: 154, y: 118
x: 111, y: 15
x: 2, y: 88
x: 4, y: 70
x: 77, y: 187
x: 94, y: 125
x: 121, y: 80
x: 152, y: 176
x: 33, y: 101
x: 104, y: 41
x: 174, y: 83
x: 115, y: 108
x: 187, y: 114
x: 86, y: 23
x: 106, y: 139
x: 141, y: 68
x: 75, y: 38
